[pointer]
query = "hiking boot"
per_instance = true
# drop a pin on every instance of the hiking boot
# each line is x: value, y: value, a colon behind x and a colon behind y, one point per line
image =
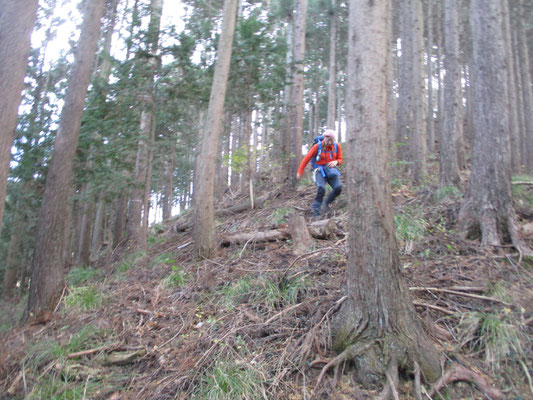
x: 316, y: 213
x: 326, y: 208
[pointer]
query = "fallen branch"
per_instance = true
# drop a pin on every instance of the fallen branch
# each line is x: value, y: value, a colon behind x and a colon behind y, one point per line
x: 460, y: 373
x: 442, y: 310
x: 464, y: 294
x: 86, y: 352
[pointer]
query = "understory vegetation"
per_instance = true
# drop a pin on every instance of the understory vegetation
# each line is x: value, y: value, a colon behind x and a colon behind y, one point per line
x: 254, y: 324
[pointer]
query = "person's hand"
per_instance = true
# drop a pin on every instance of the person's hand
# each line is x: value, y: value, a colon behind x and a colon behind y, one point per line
x: 333, y: 164
x: 298, y: 176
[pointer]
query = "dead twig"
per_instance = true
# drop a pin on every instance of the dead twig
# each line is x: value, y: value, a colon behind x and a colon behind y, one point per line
x: 442, y: 310
x: 464, y: 294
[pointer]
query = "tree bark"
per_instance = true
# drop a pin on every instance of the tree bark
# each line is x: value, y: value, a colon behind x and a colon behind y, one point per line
x: 296, y: 108
x: 332, y: 83
x: 516, y: 159
x: 204, y: 225
x: 48, y: 258
x: 487, y: 206
x: 377, y: 325
x: 451, y: 117
x: 16, y: 24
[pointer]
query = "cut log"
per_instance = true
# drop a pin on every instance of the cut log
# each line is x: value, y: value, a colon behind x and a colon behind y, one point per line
x: 301, y: 239
x: 324, y: 229
x: 266, y: 236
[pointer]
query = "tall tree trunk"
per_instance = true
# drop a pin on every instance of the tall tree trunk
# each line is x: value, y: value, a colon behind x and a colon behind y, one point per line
x: 169, y: 183
x: 134, y: 227
x: 332, y: 82
x: 48, y: 258
x: 377, y: 326
x: 487, y: 206
x: 527, y: 91
x: 418, y: 140
x: 84, y: 238
x: 451, y: 118
x: 204, y: 226
x: 16, y: 23
x: 516, y: 160
x: 296, y: 106
x: 98, y: 228
x: 429, y: 72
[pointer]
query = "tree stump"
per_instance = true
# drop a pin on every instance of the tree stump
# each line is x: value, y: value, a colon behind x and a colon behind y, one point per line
x: 301, y: 238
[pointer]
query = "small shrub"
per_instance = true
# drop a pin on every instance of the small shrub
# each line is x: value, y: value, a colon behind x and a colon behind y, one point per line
x: 176, y: 278
x: 446, y: 192
x: 129, y: 261
x: 81, y: 275
x: 83, y: 298
x: 235, y: 293
x: 229, y: 381
x: 491, y: 334
x: 163, y: 258
x: 286, y: 292
x: 409, y: 227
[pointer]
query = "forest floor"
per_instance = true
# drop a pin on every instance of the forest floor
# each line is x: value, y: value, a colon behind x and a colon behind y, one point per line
x: 253, y: 322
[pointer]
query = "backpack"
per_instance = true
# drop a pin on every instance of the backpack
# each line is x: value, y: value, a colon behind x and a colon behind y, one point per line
x: 319, y: 140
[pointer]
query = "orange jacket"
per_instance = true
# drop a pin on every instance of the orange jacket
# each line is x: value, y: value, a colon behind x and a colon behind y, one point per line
x: 328, y: 154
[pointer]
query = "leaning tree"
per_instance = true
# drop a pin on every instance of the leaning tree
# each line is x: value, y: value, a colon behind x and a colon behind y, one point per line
x: 377, y: 326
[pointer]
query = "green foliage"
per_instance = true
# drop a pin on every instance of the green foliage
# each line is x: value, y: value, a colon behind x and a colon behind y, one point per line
x: 409, y: 227
x: 522, y: 194
x: 53, y: 385
x: 163, y: 258
x: 83, y: 298
x: 228, y: 380
x: 238, y: 160
x: 280, y: 215
x: 129, y: 261
x: 447, y: 192
x: 55, y: 388
x: 493, y: 335
x: 286, y: 292
x: 80, y: 275
x: 265, y: 291
x: 235, y: 293
x: 176, y: 278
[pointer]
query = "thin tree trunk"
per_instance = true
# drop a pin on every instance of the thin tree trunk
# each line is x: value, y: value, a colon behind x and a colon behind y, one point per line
x: 98, y: 229
x: 527, y: 91
x: 516, y: 159
x: 13, y: 254
x: 48, y: 257
x: 295, y: 110
x: 16, y: 23
x: 204, y: 226
x: 451, y: 118
x: 429, y: 72
x: 332, y: 82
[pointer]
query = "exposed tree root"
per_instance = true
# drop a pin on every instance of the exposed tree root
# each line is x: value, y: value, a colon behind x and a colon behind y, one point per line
x: 460, y: 373
x: 390, y: 387
x: 348, y: 354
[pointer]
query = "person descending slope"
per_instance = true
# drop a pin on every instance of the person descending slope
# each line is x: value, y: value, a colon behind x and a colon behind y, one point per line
x: 325, y: 155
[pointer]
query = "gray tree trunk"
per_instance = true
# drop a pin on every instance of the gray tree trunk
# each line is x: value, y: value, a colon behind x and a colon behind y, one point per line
x: 451, y: 116
x: 16, y: 24
x: 135, y: 229
x: 332, y: 82
x: 48, y: 256
x: 377, y: 325
x: 296, y: 105
x: 204, y: 223
x: 488, y: 207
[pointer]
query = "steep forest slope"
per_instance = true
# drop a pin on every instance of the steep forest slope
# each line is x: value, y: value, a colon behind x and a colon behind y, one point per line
x: 253, y: 322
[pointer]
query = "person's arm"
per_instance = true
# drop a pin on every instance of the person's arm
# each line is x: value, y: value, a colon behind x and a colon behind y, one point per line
x: 310, y: 154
